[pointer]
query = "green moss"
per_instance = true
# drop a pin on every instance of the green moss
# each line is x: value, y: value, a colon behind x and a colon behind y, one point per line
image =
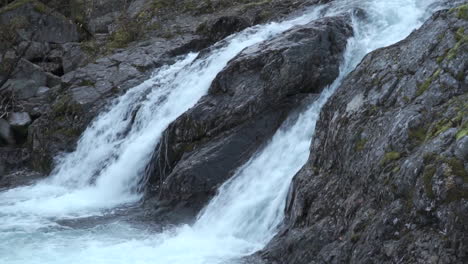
x: 154, y: 26
x: 41, y: 8
x: 360, y: 144
x: 355, y: 237
x: 87, y: 83
x: 78, y: 11
x: 440, y: 59
x: 258, y: 3
x: 14, y: 5
x: 8, y: 32
x: 70, y: 132
x: 38, y: 6
x: 168, y: 35
x: 120, y: 39
x: 454, y: 113
x: 462, y: 40
x: 430, y: 158
x: 159, y: 4
x: 129, y: 30
x: 422, y: 88
x: 462, y: 131
x: 391, y: 156
x: 90, y: 47
x: 60, y: 106
x: 460, y: 34
x: 64, y: 106
x: 441, y: 36
x: 455, y: 167
x: 461, y: 11
x: 191, y: 5
x: 458, y: 168
x: 373, y: 109
x: 265, y: 15
x: 440, y: 127
x: 376, y: 81
x: 428, y: 174
x: 418, y: 134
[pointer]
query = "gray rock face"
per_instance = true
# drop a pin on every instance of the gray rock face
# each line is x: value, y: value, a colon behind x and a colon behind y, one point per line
x: 387, y: 178
x: 246, y: 103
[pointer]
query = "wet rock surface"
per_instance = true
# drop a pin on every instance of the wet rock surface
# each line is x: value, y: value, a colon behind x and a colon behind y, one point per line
x: 246, y: 104
x: 387, y: 178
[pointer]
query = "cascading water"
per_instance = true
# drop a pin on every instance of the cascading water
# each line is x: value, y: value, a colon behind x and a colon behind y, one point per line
x: 104, y: 170
x: 106, y: 167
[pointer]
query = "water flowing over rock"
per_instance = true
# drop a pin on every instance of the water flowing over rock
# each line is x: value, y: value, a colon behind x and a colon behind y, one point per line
x: 246, y: 104
x: 387, y: 176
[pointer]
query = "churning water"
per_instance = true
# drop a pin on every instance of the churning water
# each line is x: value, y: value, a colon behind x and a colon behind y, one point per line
x: 106, y: 168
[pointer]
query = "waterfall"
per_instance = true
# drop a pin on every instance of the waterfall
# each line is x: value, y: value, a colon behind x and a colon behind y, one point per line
x: 105, y: 169
x: 107, y: 165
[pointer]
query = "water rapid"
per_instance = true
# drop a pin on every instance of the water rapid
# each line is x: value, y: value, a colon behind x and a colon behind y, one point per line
x: 104, y: 171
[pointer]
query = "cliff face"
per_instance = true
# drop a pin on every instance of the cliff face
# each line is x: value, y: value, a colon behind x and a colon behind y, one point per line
x: 387, y: 178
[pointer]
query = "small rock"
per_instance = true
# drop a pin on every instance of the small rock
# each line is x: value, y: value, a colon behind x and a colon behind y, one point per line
x: 42, y: 90
x: 19, y: 122
x: 5, y: 133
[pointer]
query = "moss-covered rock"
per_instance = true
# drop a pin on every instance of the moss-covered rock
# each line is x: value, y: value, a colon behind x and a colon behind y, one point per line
x: 461, y: 11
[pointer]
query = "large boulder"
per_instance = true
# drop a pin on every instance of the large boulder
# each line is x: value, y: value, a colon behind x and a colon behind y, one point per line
x: 40, y: 22
x: 22, y: 88
x: 245, y: 105
x: 387, y: 179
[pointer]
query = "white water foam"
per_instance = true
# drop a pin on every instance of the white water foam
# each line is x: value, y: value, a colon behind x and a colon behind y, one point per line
x: 240, y: 220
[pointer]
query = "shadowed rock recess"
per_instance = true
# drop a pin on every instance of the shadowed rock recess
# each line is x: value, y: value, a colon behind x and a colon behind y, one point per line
x: 387, y: 180
x: 246, y: 104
